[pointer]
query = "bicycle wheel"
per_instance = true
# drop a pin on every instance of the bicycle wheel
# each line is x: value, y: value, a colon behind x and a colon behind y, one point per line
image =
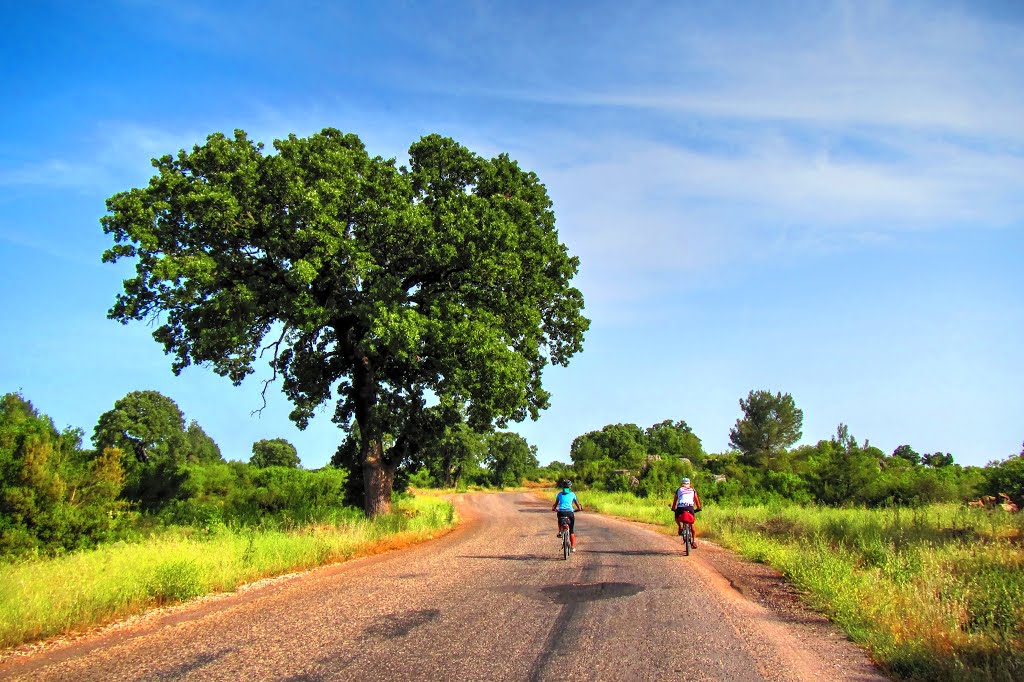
x: 566, y: 545
x: 687, y: 539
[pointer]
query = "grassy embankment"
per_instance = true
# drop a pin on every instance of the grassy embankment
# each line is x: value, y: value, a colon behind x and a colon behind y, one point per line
x: 44, y: 597
x: 933, y: 593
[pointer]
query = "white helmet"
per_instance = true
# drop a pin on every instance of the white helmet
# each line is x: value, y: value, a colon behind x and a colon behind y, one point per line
x: 686, y: 481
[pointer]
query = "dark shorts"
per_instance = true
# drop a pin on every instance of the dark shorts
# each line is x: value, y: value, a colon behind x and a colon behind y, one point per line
x: 572, y: 520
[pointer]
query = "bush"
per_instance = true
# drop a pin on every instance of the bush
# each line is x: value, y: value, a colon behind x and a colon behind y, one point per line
x: 239, y: 494
x: 54, y: 496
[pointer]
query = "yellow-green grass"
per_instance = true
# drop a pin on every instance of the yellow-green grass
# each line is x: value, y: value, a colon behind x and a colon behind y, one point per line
x: 934, y: 593
x: 44, y: 597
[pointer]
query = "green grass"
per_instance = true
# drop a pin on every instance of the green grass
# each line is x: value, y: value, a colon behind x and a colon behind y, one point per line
x: 933, y: 593
x: 44, y: 597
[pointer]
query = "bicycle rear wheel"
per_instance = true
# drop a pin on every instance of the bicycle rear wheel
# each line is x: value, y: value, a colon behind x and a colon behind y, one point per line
x: 687, y: 540
x: 566, y: 545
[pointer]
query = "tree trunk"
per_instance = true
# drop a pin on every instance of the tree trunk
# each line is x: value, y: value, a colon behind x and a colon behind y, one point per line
x: 378, y: 480
x: 378, y: 474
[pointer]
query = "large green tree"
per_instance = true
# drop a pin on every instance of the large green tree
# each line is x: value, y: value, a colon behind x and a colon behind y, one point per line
x: 771, y: 423
x: 373, y: 286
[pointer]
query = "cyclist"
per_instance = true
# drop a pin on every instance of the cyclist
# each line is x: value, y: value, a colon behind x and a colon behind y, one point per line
x: 684, y: 504
x: 564, y: 504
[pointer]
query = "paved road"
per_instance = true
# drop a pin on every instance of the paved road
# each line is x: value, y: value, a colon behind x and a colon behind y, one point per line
x: 492, y: 600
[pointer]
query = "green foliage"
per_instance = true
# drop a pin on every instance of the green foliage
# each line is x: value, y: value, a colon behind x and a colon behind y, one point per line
x: 1007, y: 477
x: 149, y: 428
x: 674, y: 439
x: 661, y: 477
x: 937, y: 460
x: 200, y: 447
x: 176, y: 580
x: 555, y: 471
x: 839, y: 471
x: 625, y: 445
x: 276, y: 452
x: 624, y: 456
x: 239, y: 494
x: 770, y: 424
x: 455, y: 455
x: 907, y: 453
x: 146, y: 425
x: 382, y: 284
x: 510, y: 458
x: 53, y: 496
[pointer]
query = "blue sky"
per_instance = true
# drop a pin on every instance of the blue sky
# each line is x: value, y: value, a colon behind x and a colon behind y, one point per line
x: 828, y: 203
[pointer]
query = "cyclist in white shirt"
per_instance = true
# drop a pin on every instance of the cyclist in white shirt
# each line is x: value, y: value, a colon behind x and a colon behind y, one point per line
x: 684, y: 504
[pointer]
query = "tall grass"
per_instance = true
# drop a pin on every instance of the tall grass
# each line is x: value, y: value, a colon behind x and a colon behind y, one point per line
x: 44, y: 597
x: 933, y: 593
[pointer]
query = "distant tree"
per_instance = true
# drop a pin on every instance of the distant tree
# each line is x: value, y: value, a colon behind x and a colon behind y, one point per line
x: 200, y: 447
x: 274, y: 452
x: 144, y: 425
x: 625, y: 445
x: 906, y: 452
x: 381, y: 286
x: 510, y: 458
x: 456, y: 452
x: 149, y: 428
x: 770, y: 424
x: 675, y: 439
x: 1007, y: 477
x: 844, y: 439
x: 937, y: 460
x: 843, y: 475
x: 555, y: 471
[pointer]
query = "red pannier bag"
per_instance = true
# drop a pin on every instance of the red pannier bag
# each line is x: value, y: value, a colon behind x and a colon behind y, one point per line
x: 688, y: 516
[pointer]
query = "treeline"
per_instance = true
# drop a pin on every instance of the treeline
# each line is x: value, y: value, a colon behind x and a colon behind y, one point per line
x: 763, y: 465
x: 147, y: 468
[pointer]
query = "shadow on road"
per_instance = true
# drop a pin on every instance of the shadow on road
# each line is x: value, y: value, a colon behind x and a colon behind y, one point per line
x: 634, y: 552
x: 514, y: 557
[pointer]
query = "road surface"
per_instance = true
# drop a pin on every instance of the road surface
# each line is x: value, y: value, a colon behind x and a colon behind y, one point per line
x: 493, y: 600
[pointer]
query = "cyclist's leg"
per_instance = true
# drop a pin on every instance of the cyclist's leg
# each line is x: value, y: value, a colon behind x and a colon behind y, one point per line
x: 572, y: 529
x: 693, y: 535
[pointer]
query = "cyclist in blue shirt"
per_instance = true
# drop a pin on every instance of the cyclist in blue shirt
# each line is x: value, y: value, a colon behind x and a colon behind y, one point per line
x: 564, y: 504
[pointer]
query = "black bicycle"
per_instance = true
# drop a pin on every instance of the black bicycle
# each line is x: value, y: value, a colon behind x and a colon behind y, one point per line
x: 687, y: 538
x: 563, y: 526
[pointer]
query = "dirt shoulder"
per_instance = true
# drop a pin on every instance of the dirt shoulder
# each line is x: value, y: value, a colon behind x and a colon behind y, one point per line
x: 835, y: 656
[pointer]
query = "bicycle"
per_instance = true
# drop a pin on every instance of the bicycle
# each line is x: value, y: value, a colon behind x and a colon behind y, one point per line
x: 687, y: 538
x: 687, y: 530
x: 563, y: 526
